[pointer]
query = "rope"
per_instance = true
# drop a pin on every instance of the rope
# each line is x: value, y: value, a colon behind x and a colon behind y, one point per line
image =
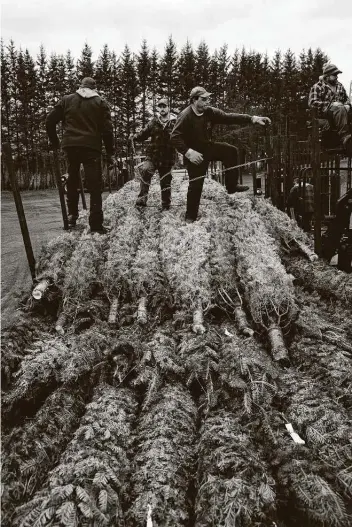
x: 195, y: 179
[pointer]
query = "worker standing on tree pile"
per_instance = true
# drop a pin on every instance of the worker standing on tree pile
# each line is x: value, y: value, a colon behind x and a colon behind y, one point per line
x: 190, y: 137
x: 329, y: 97
x: 160, y: 154
x: 86, y: 122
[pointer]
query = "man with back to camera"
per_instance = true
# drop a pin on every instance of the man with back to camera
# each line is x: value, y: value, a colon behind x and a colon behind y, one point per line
x: 86, y: 122
x: 190, y: 138
x: 160, y: 154
x: 329, y: 97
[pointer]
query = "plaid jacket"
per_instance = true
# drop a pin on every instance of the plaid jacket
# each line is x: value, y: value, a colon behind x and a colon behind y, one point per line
x: 160, y: 150
x: 321, y: 96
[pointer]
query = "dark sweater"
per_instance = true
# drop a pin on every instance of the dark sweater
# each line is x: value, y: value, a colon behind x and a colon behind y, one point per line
x: 86, y: 122
x: 192, y: 130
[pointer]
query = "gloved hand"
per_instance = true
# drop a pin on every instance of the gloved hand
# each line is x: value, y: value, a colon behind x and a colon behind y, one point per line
x: 336, y: 103
x: 256, y: 119
x: 111, y: 161
x: 348, y: 107
x: 194, y: 156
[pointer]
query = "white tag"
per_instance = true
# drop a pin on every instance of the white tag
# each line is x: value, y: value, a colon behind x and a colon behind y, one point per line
x: 293, y: 434
x: 149, y: 517
x: 227, y: 333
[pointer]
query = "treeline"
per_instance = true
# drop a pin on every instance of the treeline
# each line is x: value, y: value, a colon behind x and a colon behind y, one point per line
x: 243, y: 81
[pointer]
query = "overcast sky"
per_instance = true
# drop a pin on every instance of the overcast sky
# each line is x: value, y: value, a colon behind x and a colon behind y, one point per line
x: 262, y: 25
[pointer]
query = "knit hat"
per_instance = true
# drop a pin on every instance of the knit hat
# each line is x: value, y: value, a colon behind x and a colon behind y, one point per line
x: 330, y: 69
x: 88, y: 82
x: 197, y: 91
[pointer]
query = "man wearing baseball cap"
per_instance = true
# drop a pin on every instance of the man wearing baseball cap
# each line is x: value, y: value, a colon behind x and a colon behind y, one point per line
x: 190, y: 137
x: 160, y: 154
x: 329, y: 97
x: 87, y: 123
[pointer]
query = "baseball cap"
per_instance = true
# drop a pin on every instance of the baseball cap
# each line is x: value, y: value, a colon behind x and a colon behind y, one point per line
x: 163, y: 100
x: 330, y: 69
x: 199, y: 90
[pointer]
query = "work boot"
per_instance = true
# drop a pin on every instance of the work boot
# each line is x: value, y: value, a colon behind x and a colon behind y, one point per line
x: 101, y: 230
x: 72, y: 219
x: 140, y: 203
x: 239, y: 188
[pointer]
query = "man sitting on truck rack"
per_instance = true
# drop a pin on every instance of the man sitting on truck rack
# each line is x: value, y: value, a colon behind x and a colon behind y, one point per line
x: 329, y: 97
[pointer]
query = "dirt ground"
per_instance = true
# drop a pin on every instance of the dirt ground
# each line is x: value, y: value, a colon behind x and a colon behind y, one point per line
x: 44, y: 220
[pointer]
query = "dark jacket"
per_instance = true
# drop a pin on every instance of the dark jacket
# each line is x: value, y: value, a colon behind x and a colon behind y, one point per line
x: 321, y: 96
x: 193, y: 131
x: 160, y: 150
x: 86, y: 121
x: 299, y: 203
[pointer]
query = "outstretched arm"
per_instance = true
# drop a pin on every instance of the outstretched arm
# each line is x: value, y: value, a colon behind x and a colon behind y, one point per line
x: 220, y: 117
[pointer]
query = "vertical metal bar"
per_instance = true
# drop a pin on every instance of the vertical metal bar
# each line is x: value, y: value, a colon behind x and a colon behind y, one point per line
x: 254, y: 178
x: 317, y: 185
x: 81, y: 188
x: 109, y: 180
x: 60, y: 189
x: 20, y: 210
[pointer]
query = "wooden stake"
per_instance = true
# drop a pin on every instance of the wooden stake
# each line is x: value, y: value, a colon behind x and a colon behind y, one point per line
x: 83, y: 197
x: 19, y: 208
x: 57, y: 172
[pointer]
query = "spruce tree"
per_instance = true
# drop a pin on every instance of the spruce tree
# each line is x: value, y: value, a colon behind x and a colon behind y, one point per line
x: 222, y: 76
x: 103, y: 71
x: 41, y: 113
x: 53, y: 76
x: 290, y: 85
x: 143, y: 69
x: 114, y: 100
x: 5, y: 95
x: 202, y: 65
x: 85, y: 65
x: 275, y: 99
x: 169, y: 72
x: 12, y: 88
x: 71, y: 77
x: 154, y: 82
x: 186, y: 68
x: 129, y: 92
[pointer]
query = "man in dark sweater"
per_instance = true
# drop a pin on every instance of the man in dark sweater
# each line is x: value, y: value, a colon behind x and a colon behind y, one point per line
x: 86, y: 122
x: 190, y: 136
x: 160, y: 154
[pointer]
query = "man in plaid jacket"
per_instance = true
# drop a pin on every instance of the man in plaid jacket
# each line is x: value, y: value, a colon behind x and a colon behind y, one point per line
x: 160, y: 154
x: 329, y: 97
